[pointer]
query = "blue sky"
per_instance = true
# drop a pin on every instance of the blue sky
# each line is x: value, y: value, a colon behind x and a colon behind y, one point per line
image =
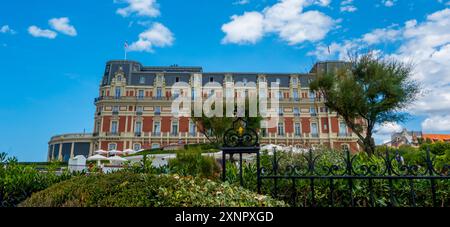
x: 52, y: 53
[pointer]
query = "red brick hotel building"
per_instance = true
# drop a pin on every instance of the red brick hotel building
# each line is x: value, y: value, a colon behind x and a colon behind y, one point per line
x: 133, y: 111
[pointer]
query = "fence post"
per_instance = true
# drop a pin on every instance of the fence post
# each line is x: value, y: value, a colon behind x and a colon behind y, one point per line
x: 430, y: 171
x: 258, y: 172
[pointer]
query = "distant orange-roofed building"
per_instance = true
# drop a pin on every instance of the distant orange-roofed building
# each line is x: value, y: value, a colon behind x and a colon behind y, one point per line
x: 436, y: 137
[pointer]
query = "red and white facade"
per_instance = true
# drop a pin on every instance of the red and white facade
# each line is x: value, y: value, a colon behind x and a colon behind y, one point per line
x: 133, y: 111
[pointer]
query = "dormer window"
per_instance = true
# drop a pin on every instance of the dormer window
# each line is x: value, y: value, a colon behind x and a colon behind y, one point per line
x: 278, y: 81
x: 294, y: 81
x: 211, y: 79
x: 119, y: 78
x: 142, y: 80
x: 177, y: 79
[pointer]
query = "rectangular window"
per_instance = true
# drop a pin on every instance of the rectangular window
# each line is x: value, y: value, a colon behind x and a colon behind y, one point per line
x: 175, y: 128
x: 157, y: 128
x: 114, y: 127
x: 142, y: 80
x: 115, y: 110
x: 137, y: 146
x: 97, y: 127
x: 314, y: 130
x: 342, y: 128
x: 296, y: 111
x: 280, y: 129
x: 297, y: 129
x: 295, y: 94
x: 280, y: 111
x: 112, y: 146
x: 138, y: 127
x: 158, y: 92
x: 312, y: 95
x: 312, y: 110
x: 294, y: 81
x: 118, y: 92
x: 280, y: 95
x: 157, y: 110
x: 192, y: 128
x: 140, y: 94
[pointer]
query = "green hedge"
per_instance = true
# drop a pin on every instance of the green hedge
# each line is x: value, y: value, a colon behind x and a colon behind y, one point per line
x: 126, y: 189
x: 18, y: 181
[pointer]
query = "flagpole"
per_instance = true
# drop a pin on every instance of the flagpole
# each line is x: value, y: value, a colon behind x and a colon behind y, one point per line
x: 126, y: 49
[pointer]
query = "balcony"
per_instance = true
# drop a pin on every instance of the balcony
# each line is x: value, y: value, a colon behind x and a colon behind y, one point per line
x: 138, y: 134
x: 98, y: 99
x: 157, y: 113
x: 315, y: 135
x: 139, y: 113
x: 344, y: 134
x: 115, y: 112
x: 314, y: 114
x: 112, y: 134
x: 156, y: 134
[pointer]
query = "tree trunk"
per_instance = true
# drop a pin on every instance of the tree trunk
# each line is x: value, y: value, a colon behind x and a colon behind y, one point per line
x: 369, y: 145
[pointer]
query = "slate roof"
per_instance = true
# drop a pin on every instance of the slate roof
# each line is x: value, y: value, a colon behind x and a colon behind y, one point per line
x: 137, y: 74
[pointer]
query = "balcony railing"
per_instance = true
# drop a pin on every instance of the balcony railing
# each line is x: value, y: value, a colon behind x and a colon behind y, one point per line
x: 112, y: 134
x: 139, y: 113
x: 138, y: 134
x: 315, y: 135
x: 344, y: 134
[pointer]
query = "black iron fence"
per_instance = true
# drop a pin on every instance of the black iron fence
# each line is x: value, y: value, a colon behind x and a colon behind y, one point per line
x: 391, y: 178
x: 385, y: 180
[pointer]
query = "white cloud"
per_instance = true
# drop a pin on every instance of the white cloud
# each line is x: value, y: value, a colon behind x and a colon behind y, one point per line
x: 425, y: 44
x: 347, y: 6
x: 148, y: 8
x: 388, y: 3
x: 241, y: 2
x: 5, y: 29
x: 287, y: 19
x: 247, y: 28
x: 381, y: 35
x: 436, y: 123
x: 63, y: 25
x: 44, y: 33
x: 156, y: 36
x: 384, y: 131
